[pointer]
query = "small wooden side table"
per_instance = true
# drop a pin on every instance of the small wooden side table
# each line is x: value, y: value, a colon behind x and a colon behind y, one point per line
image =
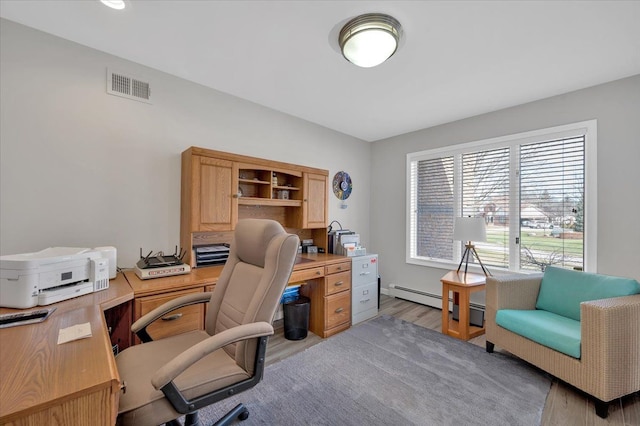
x: 463, y: 285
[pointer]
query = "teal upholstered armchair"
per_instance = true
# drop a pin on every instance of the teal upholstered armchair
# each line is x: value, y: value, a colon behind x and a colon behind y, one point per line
x: 581, y: 327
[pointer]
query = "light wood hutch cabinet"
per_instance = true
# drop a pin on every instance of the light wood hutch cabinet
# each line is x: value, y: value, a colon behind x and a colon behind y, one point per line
x: 314, y: 206
x: 219, y: 188
x: 208, y: 184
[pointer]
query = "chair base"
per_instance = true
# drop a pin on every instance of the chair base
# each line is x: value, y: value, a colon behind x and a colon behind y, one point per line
x: 239, y: 411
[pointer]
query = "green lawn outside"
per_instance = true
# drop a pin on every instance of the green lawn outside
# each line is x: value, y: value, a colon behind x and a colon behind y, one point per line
x: 539, y: 240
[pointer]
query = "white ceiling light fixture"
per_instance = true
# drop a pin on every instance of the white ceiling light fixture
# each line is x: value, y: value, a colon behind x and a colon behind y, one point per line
x: 114, y: 4
x: 370, y: 39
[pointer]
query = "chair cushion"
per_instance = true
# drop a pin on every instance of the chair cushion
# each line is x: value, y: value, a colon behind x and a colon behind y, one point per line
x: 142, y: 404
x: 549, y: 329
x: 562, y: 290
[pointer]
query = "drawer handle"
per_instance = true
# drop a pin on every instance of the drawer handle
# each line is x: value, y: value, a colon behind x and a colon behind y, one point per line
x: 339, y: 283
x: 364, y: 301
x: 339, y: 268
x: 365, y: 273
x: 339, y: 310
x: 318, y: 273
x: 172, y: 317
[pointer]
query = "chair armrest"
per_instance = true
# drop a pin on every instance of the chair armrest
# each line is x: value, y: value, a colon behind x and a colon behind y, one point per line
x: 513, y: 291
x: 611, y: 338
x: 508, y: 292
x: 140, y: 326
x: 176, y: 366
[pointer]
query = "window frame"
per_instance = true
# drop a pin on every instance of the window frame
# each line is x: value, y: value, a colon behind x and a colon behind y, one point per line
x: 587, y: 128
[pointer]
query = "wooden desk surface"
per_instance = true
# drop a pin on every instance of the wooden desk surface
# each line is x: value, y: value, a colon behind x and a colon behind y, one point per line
x: 37, y: 374
x: 199, y: 277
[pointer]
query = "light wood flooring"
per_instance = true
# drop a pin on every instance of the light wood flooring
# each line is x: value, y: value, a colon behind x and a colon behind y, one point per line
x: 565, y: 405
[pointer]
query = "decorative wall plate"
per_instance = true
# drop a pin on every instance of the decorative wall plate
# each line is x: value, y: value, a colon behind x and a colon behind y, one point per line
x: 342, y: 185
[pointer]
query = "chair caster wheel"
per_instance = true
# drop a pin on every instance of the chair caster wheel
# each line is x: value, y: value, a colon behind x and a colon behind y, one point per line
x: 244, y: 415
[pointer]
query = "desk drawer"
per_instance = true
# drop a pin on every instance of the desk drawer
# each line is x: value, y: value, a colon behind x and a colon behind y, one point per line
x: 337, y: 267
x: 179, y: 321
x: 306, y: 274
x: 335, y: 283
x: 337, y: 309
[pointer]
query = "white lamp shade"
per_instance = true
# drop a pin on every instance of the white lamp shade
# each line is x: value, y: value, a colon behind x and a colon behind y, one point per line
x: 469, y: 229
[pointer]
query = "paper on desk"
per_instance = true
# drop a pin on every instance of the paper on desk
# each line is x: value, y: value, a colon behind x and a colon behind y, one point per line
x: 75, y: 332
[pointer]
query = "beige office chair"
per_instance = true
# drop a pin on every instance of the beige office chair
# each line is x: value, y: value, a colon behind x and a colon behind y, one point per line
x: 178, y: 375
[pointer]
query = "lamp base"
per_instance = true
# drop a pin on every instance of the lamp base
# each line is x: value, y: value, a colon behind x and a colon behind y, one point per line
x: 470, y: 250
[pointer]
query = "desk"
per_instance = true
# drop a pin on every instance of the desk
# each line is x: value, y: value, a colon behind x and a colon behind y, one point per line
x: 328, y: 279
x: 463, y: 285
x: 76, y: 383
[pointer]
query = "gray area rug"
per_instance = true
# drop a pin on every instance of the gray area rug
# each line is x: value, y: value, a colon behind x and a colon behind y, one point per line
x: 390, y: 372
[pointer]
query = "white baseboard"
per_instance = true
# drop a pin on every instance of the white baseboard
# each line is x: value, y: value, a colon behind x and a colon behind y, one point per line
x: 422, y: 297
x: 279, y: 313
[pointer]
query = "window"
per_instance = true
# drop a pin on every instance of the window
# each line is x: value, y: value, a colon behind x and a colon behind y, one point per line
x: 536, y: 192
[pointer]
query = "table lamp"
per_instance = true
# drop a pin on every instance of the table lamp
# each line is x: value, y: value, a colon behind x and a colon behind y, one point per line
x: 470, y: 229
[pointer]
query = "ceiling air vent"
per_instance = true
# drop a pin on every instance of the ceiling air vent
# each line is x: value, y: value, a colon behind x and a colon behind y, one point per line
x: 128, y: 87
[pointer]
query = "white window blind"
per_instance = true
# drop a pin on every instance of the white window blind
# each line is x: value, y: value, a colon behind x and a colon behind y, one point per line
x: 536, y: 192
x: 552, y: 203
x: 434, y: 208
x: 485, y: 193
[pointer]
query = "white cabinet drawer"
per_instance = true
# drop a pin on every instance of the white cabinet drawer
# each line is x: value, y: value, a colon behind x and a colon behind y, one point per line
x: 364, y: 297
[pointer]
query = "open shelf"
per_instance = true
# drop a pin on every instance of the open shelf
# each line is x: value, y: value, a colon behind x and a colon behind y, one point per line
x: 290, y: 188
x: 454, y: 329
x: 254, y: 201
x: 254, y: 181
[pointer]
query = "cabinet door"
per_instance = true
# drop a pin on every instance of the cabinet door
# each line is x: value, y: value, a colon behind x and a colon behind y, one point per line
x: 214, y: 195
x: 314, y: 203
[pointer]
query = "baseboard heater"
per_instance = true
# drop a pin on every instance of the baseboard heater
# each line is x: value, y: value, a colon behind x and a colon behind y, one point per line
x: 418, y: 296
x: 476, y: 316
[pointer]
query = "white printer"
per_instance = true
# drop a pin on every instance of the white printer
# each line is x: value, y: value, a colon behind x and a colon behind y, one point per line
x: 51, y: 275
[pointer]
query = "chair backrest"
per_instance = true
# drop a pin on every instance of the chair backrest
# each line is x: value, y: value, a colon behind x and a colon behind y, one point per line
x: 563, y: 290
x: 252, y: 281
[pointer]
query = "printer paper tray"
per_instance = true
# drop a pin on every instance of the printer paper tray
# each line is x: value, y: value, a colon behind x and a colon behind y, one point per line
x: 58, y: 294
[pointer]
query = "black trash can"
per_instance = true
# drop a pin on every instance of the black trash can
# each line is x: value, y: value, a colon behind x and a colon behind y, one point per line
x: 296, y: 319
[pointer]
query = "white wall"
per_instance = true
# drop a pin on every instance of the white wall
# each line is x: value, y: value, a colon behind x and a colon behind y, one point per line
x: 82, y: 168
x: 615, y: 105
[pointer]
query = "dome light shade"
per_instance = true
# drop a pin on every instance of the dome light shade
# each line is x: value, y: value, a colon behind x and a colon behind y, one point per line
x: 369, y: 40
x: 114, y: 4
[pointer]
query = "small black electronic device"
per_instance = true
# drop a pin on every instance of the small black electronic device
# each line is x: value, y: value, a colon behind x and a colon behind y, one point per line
x: 160, y: 259
x: 23, y: 318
